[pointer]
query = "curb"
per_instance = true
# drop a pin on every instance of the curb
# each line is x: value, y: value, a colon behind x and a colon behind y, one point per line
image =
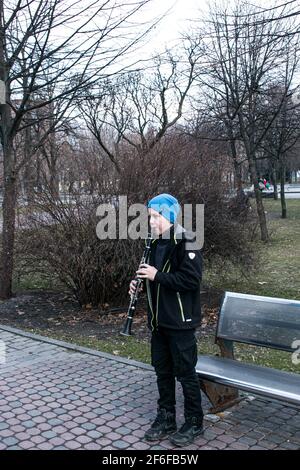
x: 75, y: 347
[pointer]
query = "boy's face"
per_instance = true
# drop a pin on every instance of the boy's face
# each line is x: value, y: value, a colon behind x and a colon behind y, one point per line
x: 158, y: 223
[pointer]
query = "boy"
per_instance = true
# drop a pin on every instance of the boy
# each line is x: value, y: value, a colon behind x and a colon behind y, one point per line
x: 172, y: 279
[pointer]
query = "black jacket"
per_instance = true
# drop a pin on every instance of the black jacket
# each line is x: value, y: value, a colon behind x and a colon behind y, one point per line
x: 174, y: 295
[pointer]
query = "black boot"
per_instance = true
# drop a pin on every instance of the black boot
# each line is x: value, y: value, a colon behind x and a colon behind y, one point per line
x: 186, y: 435
x: 164, y: 424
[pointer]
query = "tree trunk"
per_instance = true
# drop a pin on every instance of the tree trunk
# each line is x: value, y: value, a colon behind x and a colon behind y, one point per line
x: 29, y: 180
x: 238, y: 180
x: 249, y: 142
x: 238, y: 184
x: 282, y: 194
x: 54, y: 182
x: 71, y: 187
x: 9, y: 183
x: 274, y: 182
x: 29, y: 170
x: 8, y: 229
x: 259, y: 203
x: 39, y: 181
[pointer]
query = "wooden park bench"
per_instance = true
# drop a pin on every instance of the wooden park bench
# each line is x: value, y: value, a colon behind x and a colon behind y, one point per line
x: 256, y: 320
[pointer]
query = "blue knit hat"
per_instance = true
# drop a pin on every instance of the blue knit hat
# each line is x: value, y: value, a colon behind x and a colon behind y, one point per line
x: 166, y: 205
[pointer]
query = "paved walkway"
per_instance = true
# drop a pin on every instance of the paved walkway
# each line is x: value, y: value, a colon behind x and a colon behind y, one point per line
x: 54, y: 395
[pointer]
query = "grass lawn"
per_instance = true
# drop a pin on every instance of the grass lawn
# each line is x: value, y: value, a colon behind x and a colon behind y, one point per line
x: 277, y: 272
x: 139, y: 350
x: 129, y: 347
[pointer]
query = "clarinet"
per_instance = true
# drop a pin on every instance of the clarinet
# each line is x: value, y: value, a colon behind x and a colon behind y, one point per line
x: 134, y: 298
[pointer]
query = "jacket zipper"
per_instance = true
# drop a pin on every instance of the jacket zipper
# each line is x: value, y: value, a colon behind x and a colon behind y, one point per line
x: 180, y: 306
x: 150, y: 301
x: 158, y: 289
x: 149, y: 296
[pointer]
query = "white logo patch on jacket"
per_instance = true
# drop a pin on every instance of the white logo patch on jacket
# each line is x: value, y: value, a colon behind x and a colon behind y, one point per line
x: 192, y: 255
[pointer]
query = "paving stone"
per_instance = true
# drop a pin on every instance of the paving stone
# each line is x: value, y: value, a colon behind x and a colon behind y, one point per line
x: 73, y: 445
x: 124, y: 431
x: 212, y: 418
x: 218, y: 444
x: 113, y: 436
x: 28, y: 424
x: 17, y: 428
x: 44, y: 426
x: 89, y: 426
x: 138, y: 433
x: 21, y: 436
x: 26, y: 445
x: 94, y: 446
x: 257, y: 448
x: 255, y: 434
x: 65, y: 427
x: 33, y: 431
x: 67, y: 436
x: 295, y: 439
x: 247, y: 440
x: 83, y: 439
x: 218, y: 430
x: 10, y: 441
x: 6, y: 433
x: 7, y: 415
x: 102, y: 430
x: 49, y: 434
x: 130, y: 439
x: 141, y: 446
x: 55, y: 422
x: 289, y: 446
x: 75, y: 413
x: 38, y: 439
x: 227, y: 439
x: 267, y: 444
x: 80, y: 419
x: 276, y: 438
x: 59, y: 400
x: 120, y: 444
x: 78, y: 431
x: 238, y: 446
x: 45, y: 446
x: 4, y: 426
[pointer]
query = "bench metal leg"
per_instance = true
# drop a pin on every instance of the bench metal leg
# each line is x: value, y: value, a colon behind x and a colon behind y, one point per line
x: 220, y: 396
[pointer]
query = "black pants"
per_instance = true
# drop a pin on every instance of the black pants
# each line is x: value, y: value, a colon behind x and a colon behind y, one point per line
x: 174, y: 354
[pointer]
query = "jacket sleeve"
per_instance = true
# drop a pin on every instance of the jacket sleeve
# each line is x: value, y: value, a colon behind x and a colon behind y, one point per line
x: 187, y: 277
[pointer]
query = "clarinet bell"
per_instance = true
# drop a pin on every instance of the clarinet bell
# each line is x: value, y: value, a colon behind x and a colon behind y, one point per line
x: 127, y: 328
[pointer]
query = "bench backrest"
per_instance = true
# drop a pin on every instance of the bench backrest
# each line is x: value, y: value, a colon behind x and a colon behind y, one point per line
x: 263, y: 321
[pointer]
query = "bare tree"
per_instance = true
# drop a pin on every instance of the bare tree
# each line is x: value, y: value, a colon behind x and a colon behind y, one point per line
x: 281, y: 137
x: 244, y: 54
x: 138, y: 109
x: 65, y: 44
x: 281, y: 10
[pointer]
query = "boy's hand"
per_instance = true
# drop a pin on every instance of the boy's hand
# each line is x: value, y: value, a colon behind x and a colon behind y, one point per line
x: 146, y: 271
x: 132, y: 287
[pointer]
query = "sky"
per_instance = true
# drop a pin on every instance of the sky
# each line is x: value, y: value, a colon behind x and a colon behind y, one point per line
x: 182, y: 13
x: 178, y: 14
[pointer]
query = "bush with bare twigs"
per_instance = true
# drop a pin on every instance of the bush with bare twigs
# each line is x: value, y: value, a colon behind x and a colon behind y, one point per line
x: 60, y: 237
